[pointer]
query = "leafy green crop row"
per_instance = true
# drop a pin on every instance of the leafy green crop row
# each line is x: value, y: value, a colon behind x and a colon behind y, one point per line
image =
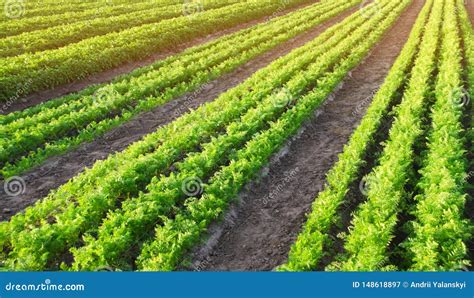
x: 41, y: 10
x: 34, y: 19
x: 49, y: 7
x: 309, y: 248
x: 374, y: 222
x: 467, y: 34
x: 76, y: 61
x: 96, y: 112
x: 59, y: 36
x: 439, y: 228
x: 178, y: 235
x: 80, y: 204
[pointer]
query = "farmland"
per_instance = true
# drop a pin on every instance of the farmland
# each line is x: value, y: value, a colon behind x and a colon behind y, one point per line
x: 286, y: 135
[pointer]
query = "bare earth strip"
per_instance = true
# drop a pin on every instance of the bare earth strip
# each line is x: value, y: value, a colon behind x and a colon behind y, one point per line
x: 258, y: 232
x: 58, y: 170
x: 470, y: 9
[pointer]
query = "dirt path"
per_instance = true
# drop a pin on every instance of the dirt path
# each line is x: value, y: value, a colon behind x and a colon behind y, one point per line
x: 470, y: 9
x: 108, y: 75
x: 58, y: 170
x: 257, y: 234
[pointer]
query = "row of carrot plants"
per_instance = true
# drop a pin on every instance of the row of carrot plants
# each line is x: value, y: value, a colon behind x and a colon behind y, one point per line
x: 47, y: 16
x: 467, y: 32
x: 61, y: 6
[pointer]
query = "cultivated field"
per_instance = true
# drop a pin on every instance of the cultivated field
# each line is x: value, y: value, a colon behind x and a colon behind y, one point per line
x: 287, y: 135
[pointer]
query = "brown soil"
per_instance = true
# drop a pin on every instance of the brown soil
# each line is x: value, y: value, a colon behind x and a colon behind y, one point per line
x: 470, y: 9
x: 107, y: 76
x: 257, y: 235
x: 58, y: 170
